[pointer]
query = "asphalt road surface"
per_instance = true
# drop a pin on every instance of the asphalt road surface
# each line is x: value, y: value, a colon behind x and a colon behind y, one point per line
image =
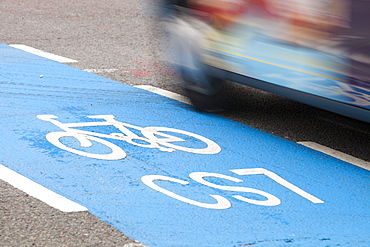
x: 121, y: 40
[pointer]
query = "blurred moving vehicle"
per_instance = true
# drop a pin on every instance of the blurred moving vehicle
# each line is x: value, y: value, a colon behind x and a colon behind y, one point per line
x: 313, y: 51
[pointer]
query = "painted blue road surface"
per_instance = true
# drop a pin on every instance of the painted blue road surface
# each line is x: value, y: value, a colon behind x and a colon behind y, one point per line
x: 166, y: 175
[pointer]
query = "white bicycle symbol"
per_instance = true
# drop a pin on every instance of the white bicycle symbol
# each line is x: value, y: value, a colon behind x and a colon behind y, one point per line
x: 153, y: 137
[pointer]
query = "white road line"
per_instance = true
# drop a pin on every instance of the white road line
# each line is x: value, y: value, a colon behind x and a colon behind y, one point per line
x: 39, y: 192
x: 134, y: 245
x: 337, y: 154
x: 100, y: 70
x: 165, y: 93
x: 43, y: 54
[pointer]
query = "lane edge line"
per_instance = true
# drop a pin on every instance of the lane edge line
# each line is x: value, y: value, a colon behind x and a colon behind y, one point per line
x: 39, y: 192
x: 43, y: 54
x: 336, y: 154
x: 165, y: 93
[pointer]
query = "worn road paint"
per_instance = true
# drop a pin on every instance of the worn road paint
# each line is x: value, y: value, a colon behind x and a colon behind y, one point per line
x: 39, y: 192
x: 44, y: 54
x: 277, y: 192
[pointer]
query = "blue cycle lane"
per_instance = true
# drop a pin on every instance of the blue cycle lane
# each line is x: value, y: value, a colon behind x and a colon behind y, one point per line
x: 166, y: 175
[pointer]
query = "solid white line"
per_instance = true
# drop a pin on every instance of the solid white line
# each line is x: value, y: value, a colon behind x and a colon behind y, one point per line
x: 39, y: 192
x: 44, y: 54
x: 165, y: 93
x: 337, y: 154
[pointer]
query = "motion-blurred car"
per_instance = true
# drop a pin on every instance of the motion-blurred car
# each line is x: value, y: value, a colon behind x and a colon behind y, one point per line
x: 313, y: 51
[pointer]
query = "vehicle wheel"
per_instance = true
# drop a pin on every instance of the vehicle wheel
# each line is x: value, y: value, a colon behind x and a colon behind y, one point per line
x: 204, y: 88
x: 202, y: 83
x: 206, y: 102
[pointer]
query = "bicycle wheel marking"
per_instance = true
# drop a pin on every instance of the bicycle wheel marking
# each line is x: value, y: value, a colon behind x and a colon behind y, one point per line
x: 153, y: 138
x: 116, y: 152
x: 150, y: 132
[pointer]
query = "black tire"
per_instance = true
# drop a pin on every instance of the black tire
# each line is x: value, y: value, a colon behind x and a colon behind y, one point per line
x: 183, y: 3
x: 214, y: 101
